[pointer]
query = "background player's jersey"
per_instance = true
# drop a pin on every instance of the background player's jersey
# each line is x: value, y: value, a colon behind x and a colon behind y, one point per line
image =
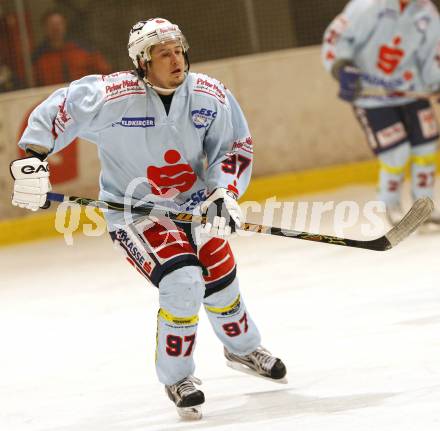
x: 395, y: 48
x: 203, y: 143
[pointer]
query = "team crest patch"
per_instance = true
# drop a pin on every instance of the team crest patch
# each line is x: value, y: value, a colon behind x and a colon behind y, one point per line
x: 202, y: 118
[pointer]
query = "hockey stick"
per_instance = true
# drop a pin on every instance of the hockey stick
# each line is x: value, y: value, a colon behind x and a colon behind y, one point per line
x: 418, y: 213
x: 382, y: 92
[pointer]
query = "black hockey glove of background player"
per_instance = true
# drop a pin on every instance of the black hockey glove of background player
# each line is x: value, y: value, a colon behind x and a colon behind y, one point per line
x: 349, y: 77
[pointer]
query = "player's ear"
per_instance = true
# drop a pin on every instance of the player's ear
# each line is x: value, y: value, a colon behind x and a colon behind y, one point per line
x: 147, y: 66
x: 144, y: 65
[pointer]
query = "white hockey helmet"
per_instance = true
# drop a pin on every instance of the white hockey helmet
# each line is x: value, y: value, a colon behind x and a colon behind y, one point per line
x: 145, y: 34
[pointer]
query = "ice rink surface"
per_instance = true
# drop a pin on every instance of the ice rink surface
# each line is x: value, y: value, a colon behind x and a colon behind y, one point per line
x: 358, y: 330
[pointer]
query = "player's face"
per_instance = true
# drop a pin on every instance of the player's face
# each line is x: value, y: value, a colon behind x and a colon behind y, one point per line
x: 167, y: 66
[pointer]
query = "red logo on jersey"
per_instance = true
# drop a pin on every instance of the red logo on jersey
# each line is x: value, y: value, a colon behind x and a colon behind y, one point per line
x: 168, y: 181
x: 390, y: 56
x: 330, y: 55
x: 408, y: 75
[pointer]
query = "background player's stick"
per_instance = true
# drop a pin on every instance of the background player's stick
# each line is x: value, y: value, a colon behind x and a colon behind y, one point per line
x: 382, y: 92
x: 418, y: 213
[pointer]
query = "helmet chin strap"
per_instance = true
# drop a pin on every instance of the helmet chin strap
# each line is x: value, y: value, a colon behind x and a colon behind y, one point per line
x: 160, y: 90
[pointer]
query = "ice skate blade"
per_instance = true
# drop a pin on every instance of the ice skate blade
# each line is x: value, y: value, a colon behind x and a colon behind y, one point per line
x: 193, y: 413
x: 246, y: 370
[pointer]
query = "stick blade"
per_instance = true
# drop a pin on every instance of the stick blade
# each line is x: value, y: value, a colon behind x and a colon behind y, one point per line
x: 417, y: 214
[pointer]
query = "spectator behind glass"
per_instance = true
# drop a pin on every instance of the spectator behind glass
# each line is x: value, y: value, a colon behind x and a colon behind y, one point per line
x: 58, y: 59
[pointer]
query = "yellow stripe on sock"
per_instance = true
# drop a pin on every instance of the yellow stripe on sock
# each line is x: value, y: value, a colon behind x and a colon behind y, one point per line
x: 395, y: 170
x: 425, y: 160
x: 157, y: 337
x: 178, y: 320
x: 220, y: 310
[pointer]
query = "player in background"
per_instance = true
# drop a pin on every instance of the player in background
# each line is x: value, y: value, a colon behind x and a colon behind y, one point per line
x: 393, y: 45
x: 178, y: 139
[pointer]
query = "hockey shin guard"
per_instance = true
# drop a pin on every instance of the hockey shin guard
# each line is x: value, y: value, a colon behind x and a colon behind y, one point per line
x: 180, y: 296
x: 423, y: 169
x: 231, y: 321
x: 392, y: 168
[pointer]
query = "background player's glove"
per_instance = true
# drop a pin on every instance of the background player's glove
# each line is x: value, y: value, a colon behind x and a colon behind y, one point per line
x: 349, y: 77
x: 223, y: 214
x: 31, y: 184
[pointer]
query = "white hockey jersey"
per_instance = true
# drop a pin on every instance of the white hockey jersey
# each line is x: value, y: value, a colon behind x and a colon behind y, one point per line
x: 203, y: 143
x: 395, y: 47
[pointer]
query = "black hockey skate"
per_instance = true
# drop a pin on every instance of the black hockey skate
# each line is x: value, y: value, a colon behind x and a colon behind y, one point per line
x: 260, y: 363
x: 187, y: 397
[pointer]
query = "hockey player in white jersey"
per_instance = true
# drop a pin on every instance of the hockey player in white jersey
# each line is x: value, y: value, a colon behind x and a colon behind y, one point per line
x: 393, y: 45
x: 179, y: 138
